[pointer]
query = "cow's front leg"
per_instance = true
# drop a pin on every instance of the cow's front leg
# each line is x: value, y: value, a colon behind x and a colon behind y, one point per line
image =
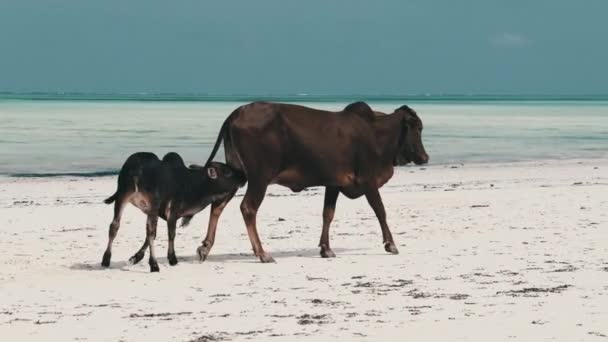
x: 375, y: 201
x: 329, y: 207
x: 171, y: 227
x: 216, y: 210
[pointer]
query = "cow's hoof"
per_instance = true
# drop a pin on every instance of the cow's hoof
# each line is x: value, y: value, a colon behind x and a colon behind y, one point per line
x: 172, y: 259
x: 136, y: 258
x: 327, y: 253
x: 391, y: 248
x: 154, y: 266
x: 202, y: 252
x: 266, y: 258
x: 105, y: 262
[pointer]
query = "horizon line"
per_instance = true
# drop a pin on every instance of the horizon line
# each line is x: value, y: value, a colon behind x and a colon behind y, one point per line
x: 305, y: 97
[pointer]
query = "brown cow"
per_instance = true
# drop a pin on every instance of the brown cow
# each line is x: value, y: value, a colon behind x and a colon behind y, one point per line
x: 350, y: 152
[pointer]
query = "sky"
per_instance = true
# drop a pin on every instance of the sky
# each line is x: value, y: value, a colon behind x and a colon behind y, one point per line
x: 550, y: 47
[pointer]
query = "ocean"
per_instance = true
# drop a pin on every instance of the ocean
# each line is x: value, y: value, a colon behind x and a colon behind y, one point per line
x: 92, y: 135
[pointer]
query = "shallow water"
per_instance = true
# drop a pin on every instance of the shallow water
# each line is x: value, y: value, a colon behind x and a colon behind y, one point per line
x: 95, y: 137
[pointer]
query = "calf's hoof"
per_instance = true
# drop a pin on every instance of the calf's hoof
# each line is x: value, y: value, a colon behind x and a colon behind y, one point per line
x: 266, y: 258
x: 105, y: 262
x: 136, y: 258
x: 202, y: 252
x: 391, y: 248
x: 326, y: 252
x: 154, y: 266
x: 172, y: 259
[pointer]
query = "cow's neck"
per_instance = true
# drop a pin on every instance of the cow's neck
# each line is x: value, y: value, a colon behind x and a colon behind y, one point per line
x: 388, y: 131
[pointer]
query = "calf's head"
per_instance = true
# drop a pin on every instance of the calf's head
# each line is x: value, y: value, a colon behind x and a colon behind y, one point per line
x: 411, y: 148
x: 221, y: 178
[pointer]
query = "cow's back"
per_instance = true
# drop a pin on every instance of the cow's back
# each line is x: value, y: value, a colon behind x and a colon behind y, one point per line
x: 297, y: 146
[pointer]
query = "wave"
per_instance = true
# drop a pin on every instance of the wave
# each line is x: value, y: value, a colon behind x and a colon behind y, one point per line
x: 88, y: 174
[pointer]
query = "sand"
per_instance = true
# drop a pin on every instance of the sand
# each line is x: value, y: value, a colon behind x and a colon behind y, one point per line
x: 488, y: 252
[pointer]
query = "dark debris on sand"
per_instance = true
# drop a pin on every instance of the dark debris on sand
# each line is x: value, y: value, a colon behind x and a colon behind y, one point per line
x: 211, y: 338
x: 326, y: 302
x: 251, y: 332
x: 417, y: 309
x: 224, y: 336
x: 459, y: 296
x: 162, y: 314
x: 313, y: 319
x: 568, y: 268
x: 532, y: 291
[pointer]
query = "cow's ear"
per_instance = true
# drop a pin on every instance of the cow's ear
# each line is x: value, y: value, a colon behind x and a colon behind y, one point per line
x: 408, y: 119
x: 404, y: 122
x: 212, y: 172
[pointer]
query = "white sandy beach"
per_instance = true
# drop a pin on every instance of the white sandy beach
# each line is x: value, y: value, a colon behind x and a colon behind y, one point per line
x: 490, y: 252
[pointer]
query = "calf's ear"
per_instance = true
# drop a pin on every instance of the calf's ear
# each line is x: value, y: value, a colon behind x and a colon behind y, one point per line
x: 212, y: 172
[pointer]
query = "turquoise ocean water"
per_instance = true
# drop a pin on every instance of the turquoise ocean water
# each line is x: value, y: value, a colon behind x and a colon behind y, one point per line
x: 45, y: 135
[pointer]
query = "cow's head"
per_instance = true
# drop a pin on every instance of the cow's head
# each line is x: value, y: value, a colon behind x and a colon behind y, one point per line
x: 221, y: 177
x: 411, y: 148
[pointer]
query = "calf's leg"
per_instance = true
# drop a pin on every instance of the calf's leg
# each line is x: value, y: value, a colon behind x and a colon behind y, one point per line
x: 249, y: 208
x: 119, y: 205
x: 171, y: 225
x: 329, y: 207
x: 151, y: 235
x: 216, y: 210
x: 137, y: 257
x: 375, y: 201
x: 141, y: 253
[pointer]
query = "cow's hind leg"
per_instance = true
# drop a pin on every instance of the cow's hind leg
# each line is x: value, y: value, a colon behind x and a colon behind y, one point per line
x: 216, y: 210
x: 249, y: 208
x: 329, y: 207
x: 151, y: 235
x: 171, y: 225
x: 375, y: 201
x: 119, y: 205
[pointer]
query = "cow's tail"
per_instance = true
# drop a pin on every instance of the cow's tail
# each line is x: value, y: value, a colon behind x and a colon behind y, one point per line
x: 220, y: 137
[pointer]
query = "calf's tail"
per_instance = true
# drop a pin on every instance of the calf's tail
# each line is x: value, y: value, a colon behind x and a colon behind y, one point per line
x: 111, y: 198
x: 127, y: 180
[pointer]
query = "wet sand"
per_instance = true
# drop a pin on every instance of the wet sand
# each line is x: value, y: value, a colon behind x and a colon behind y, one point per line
x: 487, y: 252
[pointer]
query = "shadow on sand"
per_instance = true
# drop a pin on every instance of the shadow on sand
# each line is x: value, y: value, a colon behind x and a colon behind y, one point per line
x: 213, y: 258
x: 96, y: 266
x: 277, y: 255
